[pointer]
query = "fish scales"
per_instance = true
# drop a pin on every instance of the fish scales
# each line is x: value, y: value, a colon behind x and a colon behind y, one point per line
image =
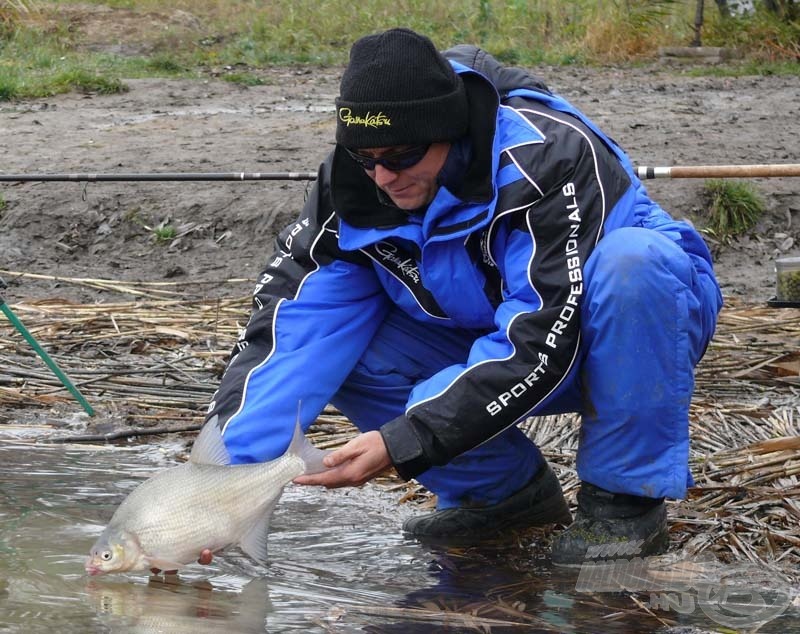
x: 189, y: 519
x: 168, y: 520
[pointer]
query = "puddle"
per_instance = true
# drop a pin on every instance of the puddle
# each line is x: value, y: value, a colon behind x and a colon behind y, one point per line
x: 338, y: 563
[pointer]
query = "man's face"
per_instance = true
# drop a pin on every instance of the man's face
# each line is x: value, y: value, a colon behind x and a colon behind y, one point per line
x: 412, y: 187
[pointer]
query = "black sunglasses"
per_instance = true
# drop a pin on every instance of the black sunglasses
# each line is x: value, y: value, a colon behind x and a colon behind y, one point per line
x: 394, y: 162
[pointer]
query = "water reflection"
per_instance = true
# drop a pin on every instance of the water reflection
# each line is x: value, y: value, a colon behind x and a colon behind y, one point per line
x: 337, y: 563
x: 170, y: 605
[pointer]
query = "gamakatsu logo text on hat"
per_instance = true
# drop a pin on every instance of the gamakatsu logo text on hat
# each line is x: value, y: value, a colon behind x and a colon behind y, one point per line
x: 369, y: 120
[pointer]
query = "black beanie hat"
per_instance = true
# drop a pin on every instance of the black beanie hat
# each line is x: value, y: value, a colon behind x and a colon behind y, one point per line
x: 399, y: 90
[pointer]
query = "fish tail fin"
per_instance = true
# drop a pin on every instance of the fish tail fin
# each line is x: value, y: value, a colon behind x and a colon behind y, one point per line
x: 308, y: 453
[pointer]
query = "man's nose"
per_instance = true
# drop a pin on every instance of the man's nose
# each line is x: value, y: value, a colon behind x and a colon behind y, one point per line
x: 384, y: 176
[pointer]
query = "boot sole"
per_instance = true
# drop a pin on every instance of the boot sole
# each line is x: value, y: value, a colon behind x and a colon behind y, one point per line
x: 655, y: 545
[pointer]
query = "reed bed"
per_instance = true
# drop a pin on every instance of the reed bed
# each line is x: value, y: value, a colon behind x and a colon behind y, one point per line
x: 150, y: 366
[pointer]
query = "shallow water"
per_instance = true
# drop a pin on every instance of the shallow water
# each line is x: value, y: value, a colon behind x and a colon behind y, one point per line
x: 338, y: 563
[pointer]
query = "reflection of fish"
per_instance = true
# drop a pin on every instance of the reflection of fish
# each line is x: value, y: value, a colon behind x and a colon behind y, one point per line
x: 178, y: 607
x: 205, y: 503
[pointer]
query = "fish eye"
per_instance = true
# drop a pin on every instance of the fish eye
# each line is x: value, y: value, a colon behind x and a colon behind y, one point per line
x: 106, y: 555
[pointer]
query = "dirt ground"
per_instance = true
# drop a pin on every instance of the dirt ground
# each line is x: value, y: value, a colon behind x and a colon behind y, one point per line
x: 659, y: 114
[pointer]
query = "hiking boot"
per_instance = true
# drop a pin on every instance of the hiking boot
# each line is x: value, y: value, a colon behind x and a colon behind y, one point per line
x: 539, y: 502
x: 612, y: 526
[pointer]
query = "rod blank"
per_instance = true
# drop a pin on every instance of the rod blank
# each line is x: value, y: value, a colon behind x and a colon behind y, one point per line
x: 164, y: 176
x: 644, y: 172
x: 49, y: 361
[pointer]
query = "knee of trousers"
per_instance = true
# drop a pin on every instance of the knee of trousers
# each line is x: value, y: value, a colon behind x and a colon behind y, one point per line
x: 643, y: 277
x: 633, y: 264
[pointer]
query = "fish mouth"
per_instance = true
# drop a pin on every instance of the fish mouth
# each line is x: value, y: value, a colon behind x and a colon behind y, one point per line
x: 91, y: 569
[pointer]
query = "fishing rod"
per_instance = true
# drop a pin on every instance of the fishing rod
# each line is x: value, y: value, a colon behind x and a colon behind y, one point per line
x: 644, y: 172
x: 49, y: 361
x: 719, y: 171
x: 162, y: 176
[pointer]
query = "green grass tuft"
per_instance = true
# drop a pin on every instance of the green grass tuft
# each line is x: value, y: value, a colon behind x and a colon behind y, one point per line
x: 733, y: 208
x: 244, y: 79
x: 164, y: 233
x: 87, y: 81
x: 9, y: 85
x: 165, y: 64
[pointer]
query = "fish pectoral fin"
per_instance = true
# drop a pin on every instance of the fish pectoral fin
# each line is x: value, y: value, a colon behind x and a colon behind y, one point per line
x: 254, y: 543
x: 162, y: 564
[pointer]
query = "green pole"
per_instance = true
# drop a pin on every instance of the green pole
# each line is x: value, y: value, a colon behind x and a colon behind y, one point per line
x: 41, y: 352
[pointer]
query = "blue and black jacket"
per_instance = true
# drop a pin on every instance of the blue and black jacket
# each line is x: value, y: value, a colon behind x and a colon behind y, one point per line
x: 501, y: 254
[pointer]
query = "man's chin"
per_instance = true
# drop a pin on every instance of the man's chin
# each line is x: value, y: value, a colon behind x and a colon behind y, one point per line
x: 407, y: 201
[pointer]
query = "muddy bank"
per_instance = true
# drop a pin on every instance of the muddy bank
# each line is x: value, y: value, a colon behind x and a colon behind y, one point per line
x: 661, y: 116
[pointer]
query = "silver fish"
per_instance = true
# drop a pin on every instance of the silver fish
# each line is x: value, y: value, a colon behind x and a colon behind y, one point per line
x: 206, y: 503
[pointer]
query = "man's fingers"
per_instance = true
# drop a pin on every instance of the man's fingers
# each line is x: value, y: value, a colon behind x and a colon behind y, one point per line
x: 333, y: 478
x: 344, y: 454
x: 358, y: 461
x: 335, y: 458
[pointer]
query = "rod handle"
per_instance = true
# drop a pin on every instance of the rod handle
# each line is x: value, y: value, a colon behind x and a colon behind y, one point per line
x: 719, y: 171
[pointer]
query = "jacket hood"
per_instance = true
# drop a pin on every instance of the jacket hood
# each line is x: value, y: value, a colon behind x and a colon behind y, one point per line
x: 503, y: 78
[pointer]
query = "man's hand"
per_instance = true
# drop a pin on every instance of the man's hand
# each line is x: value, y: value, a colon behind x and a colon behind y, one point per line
x: 357, y: 462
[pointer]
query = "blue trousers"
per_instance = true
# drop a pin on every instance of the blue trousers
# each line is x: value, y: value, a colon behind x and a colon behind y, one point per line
x: 647, y: 316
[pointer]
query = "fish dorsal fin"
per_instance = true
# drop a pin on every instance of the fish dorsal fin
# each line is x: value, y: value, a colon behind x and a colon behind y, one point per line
x: 254, y: 543
x: 209, y: 448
